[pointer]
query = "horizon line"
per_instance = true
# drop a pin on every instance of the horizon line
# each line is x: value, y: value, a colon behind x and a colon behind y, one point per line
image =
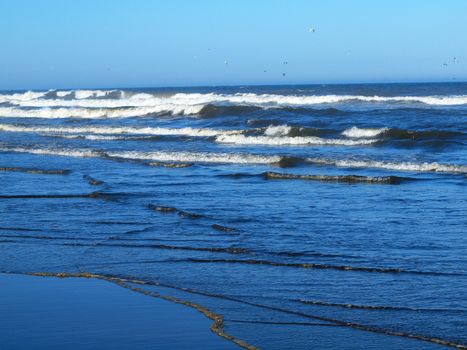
x: 236, y: 85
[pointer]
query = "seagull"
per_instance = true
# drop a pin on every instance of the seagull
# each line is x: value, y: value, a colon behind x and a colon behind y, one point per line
x: 445, y: 64
x: 312, y: 30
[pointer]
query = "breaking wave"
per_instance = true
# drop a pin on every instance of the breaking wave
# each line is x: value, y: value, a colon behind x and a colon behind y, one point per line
x: 182, y: 157
x: 73, y: 102
x: 96, y: 113
x: 286, y: 140
x: 198, y: 157
x: 355, y: 132
x: 239, y: 158
x: 103, y: 130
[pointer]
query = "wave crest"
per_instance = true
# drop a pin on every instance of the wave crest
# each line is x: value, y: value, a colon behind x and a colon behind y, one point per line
x: 402, y: 166
x: 289, y: 141
x: 355, y: 132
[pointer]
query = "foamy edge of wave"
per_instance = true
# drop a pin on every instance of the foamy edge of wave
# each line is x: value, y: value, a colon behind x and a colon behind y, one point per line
x: 85, y: 113
x: 401, y: 166
x: 290, y: 141
x: 94, y: 99
x: 153, y: 131
x: 238, y: 158
x: 355, y: 132
x: 192, y: 157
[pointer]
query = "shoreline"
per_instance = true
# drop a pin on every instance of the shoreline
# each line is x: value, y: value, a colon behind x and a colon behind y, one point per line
x: 44, y: 311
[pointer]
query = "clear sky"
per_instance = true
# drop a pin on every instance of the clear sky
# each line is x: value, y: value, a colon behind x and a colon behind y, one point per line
x: 146, y: 43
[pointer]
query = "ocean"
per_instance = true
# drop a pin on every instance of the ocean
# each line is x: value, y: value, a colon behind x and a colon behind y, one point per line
x: 317, y: 216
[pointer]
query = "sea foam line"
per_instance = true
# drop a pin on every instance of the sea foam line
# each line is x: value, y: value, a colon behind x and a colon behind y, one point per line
x: 157, y: 156
x: 402, y: 166
x: 106, y: 130
x: 95, y: 113
x: 87, y: 98
x: 290, y: 141
x: 238, y: 158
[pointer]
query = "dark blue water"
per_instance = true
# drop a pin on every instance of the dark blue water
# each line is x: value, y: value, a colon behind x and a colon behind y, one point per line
x: 308, y: 216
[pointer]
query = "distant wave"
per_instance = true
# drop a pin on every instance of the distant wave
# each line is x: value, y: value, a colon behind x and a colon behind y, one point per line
x: 402, y: 166
x: 84, y: 94
x: 25, y: 96
x: 191, y: 103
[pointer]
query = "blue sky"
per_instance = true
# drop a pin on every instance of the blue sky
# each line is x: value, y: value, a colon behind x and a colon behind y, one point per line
x: 145, y: 43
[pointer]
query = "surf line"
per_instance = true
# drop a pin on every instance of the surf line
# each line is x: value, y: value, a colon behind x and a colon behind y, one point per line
x: 219, y: 324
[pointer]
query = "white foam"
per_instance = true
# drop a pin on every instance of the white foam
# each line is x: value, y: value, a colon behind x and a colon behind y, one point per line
x: 402, y: 166
x: 64, y: 93
x: 355, y: 132
x: 83, y: 94
x: 85, y: 113
x: 291, y: 141
x: 87, y: 98
x: 156, y: 131
x: 198, y: 157
x: 90, y: 104
x: 191, y: 157
x: 93, y: 137
x: 279, y: 130
x: 55, y: 152
x: 271, y: 100
x: 25, y: 96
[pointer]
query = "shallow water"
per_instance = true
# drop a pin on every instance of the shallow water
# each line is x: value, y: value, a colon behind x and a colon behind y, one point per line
x: 309, y: 216
x: 73, y: 313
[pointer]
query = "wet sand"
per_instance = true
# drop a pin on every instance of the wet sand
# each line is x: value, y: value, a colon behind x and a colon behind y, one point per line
x: 77, y: 313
